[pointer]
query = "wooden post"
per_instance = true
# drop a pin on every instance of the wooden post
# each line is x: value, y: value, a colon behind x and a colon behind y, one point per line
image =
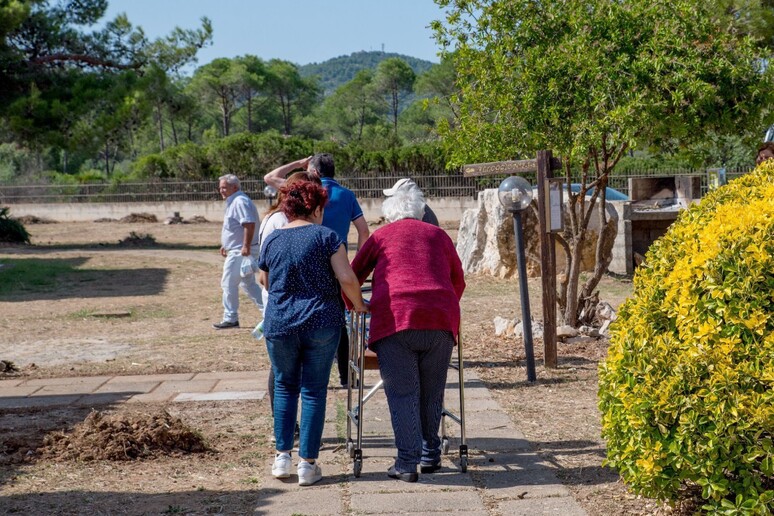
x: 544, y: 166
x: 547, y: 260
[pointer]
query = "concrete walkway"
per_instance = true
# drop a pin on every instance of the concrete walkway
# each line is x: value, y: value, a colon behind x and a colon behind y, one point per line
x: 504, y: 476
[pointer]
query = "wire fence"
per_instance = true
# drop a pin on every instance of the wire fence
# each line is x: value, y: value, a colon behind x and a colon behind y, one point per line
x: 364, y: 187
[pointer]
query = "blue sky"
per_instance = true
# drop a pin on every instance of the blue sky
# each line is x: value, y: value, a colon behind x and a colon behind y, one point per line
x: 300, y: 31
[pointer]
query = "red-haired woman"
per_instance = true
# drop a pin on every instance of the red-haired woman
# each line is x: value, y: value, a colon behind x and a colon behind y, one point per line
x: 303, y: 266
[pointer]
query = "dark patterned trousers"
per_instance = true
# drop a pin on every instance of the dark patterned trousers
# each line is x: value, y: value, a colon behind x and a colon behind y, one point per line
x: 413, y: 365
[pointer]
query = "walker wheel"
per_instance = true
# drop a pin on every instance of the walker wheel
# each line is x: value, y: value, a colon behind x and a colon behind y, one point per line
x: 357, y: 467
x: 464, y: 463
x: 351, y: 449
x: 445, y: 445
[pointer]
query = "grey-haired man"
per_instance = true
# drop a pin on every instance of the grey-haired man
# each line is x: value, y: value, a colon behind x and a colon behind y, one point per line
x: 238, y: 240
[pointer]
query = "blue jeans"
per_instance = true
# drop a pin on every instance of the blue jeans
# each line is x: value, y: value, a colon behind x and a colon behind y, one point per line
x: 302, y: 365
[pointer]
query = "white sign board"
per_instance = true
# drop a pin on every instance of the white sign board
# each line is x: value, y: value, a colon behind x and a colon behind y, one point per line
x: 554, y: 205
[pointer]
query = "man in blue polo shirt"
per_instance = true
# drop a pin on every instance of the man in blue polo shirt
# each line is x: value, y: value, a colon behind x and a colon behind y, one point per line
x: 341, y: 211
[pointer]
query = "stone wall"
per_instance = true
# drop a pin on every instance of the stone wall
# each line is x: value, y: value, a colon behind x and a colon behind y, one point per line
x: 446, y: 209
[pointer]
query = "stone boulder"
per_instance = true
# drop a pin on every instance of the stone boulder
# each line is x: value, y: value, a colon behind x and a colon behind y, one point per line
x: 486, y: 241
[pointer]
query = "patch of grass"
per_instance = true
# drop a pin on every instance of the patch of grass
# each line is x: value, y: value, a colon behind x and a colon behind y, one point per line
x: 137, y: 312
x: 150, y: 312
x: 80, y: 314
x: 22, y: 275
x: 341, y: 419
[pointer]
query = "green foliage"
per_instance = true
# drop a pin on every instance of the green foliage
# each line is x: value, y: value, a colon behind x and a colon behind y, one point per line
x: 12, y: 230
x: 250, y: 154
x: 686, y: 392
x: 151, y: 166
x: 334, y: 73
x: 13, y: 160
x: 590, y: 78
x: 394, y: 79
x: 188, y: 161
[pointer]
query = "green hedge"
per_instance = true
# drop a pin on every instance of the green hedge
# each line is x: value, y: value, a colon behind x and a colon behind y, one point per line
x: 687, y: 389
x: 253, y: 155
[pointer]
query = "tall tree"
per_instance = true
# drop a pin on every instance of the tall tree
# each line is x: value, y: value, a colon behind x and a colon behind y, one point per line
x: 590, y: 79
x: 47, y: 54
x: 219, y: 83
x: 293, y: 94
x: 252, y: 94
x: 353, y: 106
x: 394, y: 79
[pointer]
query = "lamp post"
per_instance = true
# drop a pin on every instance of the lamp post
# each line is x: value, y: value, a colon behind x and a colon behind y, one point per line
x: 515, y: 194
x: 270, y: 193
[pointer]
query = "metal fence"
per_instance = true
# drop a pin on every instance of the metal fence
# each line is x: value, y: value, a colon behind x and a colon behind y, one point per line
x: 452, y: 185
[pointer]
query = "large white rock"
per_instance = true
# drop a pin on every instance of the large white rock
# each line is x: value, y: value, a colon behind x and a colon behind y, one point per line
x: 503, y: 326
x: 536, y: 326
x: 486, y: 241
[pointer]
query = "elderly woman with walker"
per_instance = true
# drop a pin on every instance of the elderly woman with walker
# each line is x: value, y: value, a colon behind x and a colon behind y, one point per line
x: 415, y: 316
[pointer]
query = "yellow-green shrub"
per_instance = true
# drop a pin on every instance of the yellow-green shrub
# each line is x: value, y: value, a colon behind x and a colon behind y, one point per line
x: 686, y: 390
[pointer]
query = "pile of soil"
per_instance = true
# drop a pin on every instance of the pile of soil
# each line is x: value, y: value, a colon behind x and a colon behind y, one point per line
x: 104, y: 436
x: 197, y: 219
x: 32, y: 219
x: 137, y: 240
x: 139, y: 217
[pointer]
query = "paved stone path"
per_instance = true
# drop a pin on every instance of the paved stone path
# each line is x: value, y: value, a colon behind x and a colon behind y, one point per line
x: 504, y: 476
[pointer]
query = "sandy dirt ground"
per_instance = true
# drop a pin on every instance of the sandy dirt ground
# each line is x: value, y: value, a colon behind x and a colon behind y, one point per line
x: 117, y: 309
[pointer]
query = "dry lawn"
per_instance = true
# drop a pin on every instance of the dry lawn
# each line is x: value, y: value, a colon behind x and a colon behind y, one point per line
x: 143, y: 310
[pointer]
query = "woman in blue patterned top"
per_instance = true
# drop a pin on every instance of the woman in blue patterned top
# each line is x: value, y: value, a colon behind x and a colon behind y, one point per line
x: 304, y: 267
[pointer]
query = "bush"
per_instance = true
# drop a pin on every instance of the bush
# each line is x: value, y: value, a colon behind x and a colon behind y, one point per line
x: 12, y: 230
x: 686, y: 390
x: 187, y: 161
x: 151, y: 166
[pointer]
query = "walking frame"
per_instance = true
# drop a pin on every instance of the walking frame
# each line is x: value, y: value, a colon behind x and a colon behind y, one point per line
x: 362, y: 359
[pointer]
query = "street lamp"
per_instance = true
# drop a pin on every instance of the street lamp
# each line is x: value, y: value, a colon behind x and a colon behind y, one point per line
x: 515, y: 194
x: 270, y: 193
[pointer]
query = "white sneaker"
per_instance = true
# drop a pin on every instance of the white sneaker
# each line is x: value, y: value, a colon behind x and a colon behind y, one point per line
x: 282, y: 465
x: 308, y: 474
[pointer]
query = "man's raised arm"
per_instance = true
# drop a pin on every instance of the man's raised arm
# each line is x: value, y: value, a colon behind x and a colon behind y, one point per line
x: 276, y: 177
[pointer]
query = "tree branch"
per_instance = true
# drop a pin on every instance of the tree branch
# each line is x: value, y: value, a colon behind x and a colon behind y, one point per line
x: 84, y: 59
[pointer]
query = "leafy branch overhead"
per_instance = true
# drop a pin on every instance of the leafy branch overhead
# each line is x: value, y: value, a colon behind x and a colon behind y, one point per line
x: 42, y: 40
x: 591, y: 80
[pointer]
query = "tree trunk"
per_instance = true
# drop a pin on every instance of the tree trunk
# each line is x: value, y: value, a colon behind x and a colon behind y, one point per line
x: 161, y: 127
x: 573, y: 280
x: 395, y: 109
x: 249, y: 113
x: 107, y: 157
x: 225, y: 120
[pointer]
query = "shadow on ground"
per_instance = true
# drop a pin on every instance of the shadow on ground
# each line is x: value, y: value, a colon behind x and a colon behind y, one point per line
x: 34, y: 279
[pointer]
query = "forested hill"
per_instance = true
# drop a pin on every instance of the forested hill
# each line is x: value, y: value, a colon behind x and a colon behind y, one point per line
x: 339, y: 70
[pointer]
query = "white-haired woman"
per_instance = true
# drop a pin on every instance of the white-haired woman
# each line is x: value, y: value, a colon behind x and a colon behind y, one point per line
x: 415, y: 316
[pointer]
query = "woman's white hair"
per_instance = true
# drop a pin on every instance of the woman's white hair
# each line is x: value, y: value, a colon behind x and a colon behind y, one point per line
x: 407, y: 203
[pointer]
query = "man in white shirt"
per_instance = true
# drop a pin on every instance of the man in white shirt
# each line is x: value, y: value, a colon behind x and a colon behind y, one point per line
x: 238, y: 240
